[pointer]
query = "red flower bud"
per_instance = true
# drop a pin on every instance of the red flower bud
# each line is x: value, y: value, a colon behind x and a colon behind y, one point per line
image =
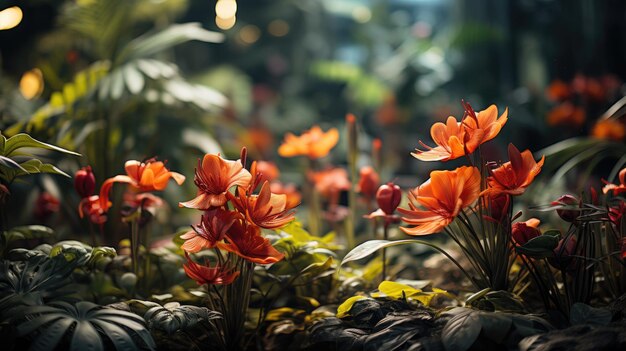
x: 522, y: 232
x: 563, y: 255
x: 388, y: 197
x: 368, y: 182
x: 85, y: 182
x: 568, y: 215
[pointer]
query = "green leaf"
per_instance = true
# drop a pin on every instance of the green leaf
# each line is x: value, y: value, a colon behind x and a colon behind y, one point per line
x: 462, y: 330
x: 369, y: 247
x: 134, y: 80
x: 27, y: 232
x: 153, y: 43
x: 539, y: 247
x: 21, y: 140
x: 581, y: 313
x: 495, y: 325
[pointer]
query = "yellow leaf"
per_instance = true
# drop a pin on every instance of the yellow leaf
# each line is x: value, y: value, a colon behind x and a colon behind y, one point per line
x: 344, y: 309
x: 394, y: 290
x: 283, y: 313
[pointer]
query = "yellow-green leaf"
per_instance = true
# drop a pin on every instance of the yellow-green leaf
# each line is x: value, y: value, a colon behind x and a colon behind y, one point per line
x: 344, y: 309
x: 395, y: 290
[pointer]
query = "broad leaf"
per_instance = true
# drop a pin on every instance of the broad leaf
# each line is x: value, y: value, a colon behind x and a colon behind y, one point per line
x: 462, y: 330
x: 581, y: 313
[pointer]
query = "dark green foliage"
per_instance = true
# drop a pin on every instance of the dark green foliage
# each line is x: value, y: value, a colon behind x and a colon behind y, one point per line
x: 470, y: 329
x: 83, y: 326
x: 36, y: 280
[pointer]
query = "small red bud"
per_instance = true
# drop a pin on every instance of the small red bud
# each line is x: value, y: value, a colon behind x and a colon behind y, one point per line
x: 522, y: 232
x: 388, y: 197
x: 85, y: 182
x: 568, y: 215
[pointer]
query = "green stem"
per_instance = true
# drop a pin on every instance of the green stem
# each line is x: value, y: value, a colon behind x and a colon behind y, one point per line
x: 386, y: 237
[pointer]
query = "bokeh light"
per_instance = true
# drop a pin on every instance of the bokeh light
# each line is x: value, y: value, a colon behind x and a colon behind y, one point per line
x: 10, y: 18
x: 225, y: 23
x: 249, y: 34
x: 226, y: 9
x: 31, y: 84
x: 278, y: 28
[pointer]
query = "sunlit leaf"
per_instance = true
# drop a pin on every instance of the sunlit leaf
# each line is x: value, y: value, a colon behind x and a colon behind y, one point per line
x: 344, y: 309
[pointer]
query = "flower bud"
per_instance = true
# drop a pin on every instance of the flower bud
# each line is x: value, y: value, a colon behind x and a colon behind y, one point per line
x: 522, y: 232
x: 85, y: 182
x: 499, y: 206
x: 368, y: 182
x: 568, y: 215
x: 388, y: 197
x: 563, y: 254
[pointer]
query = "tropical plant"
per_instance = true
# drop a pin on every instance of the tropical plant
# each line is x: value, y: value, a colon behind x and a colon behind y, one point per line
x: 36, y: 280
x: 81, y: 326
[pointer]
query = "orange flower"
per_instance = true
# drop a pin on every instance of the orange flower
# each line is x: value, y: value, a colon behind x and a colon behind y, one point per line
x: 246, y: 241
x: 558, y: 90
x: 566, y: 114
x: 617, y: 189
x: 143, y: 176
x: 368, y: 182
x: 609, y: 129
x: 293, y: 196
x: 443, y: 196
x: 212, y: 227
x: 268, y: 170
x: 313, y: 143
x: 514, y: 176
x: 330, y: 183
x: 214, y: 176
x: 207, y: 275
x: 455, y: 139
x: 266, y: 210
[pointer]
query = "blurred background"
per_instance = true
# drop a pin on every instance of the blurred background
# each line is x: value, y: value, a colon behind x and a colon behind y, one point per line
x: 135, y: 78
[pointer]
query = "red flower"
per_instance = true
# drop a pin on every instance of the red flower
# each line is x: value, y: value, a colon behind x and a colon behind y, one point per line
x: 214, y: 176
x: 498, y: 206
x: 246, y: 241
x: 212, y: 227
x: 266, y: 210
x: 522, y: 232
x: 617, y: 212
x: 45, y: 205
x: 443, y: 196
x: 85, y: 182
x: 143, y: 176
x: 514, y: 176
x: 91, y: 206
x: 617, y: 189
x: 207, y: 275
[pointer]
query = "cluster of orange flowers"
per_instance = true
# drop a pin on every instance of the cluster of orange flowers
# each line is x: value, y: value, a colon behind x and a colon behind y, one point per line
x: 141, y: 177
x: 434, y: 204
x: 574, y: 98
x: 236, y: 230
